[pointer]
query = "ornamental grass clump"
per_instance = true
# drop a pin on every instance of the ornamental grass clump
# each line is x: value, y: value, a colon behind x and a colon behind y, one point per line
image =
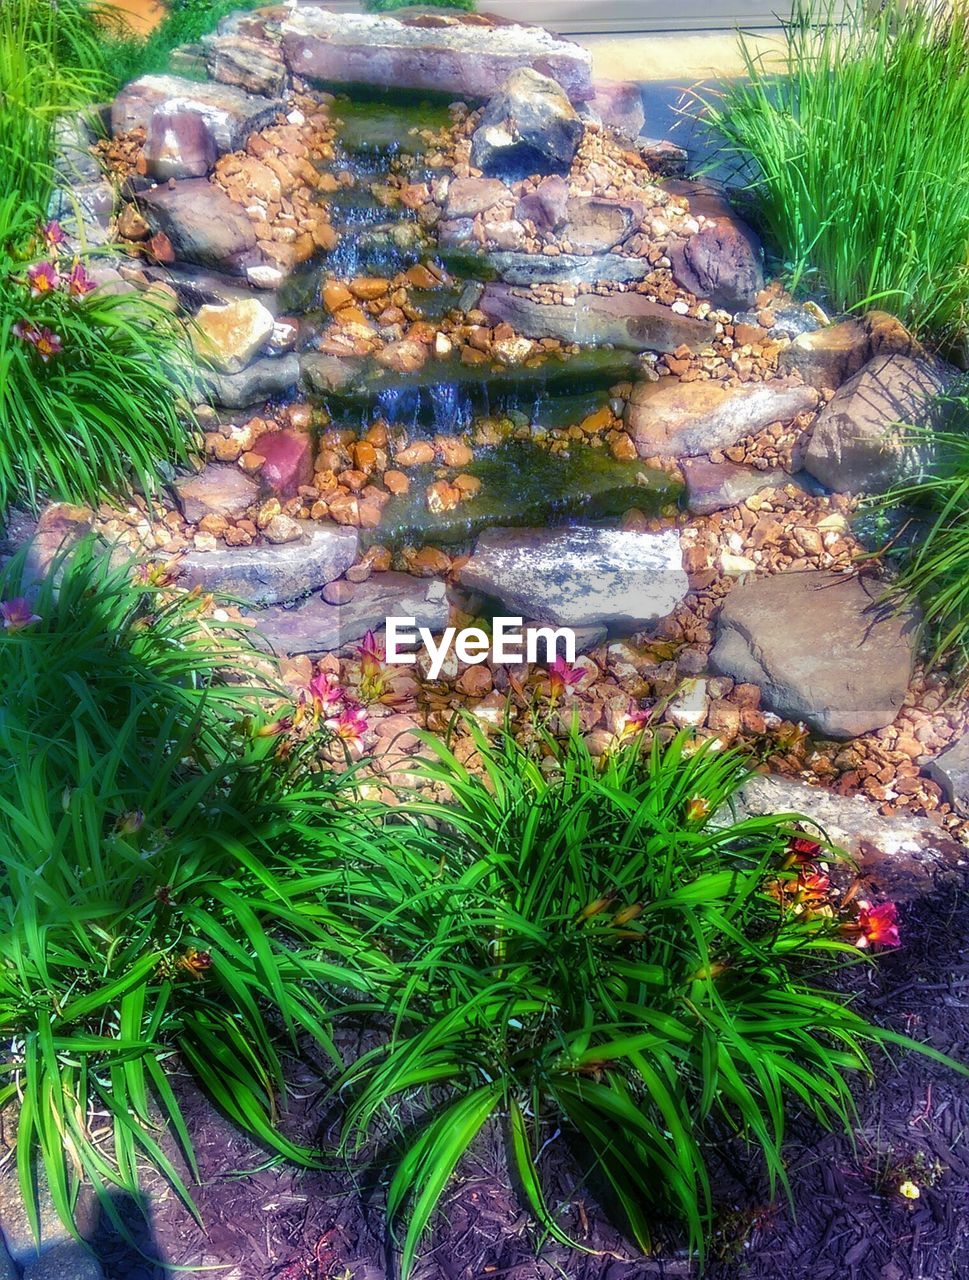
x: 853, y: 150
x: 157, y: 902
x: 91, y: 384
x: 583, y: 947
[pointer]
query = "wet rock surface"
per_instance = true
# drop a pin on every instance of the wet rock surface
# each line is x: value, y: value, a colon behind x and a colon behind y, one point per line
x: 821, y: 647
x: 579, y: 576
x: 528, y: 127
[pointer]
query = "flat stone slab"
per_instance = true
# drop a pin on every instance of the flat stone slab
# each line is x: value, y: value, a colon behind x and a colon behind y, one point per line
x: 578, y: 577
x: 714, y: 486
x: 902, y: 853
x: 318, y: 627
x: 820, y: 647
x: 566, y: 268
x: 950, y: 769
x: 674, y: 419
x: 230, y: 113
x: 265, y: 573
x: 626, y: 320
x: 266, y: 376
x: 470, y: 59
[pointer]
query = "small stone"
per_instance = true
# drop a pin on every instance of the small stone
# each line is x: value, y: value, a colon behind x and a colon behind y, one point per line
x: 339, y: 592
x: 229, y: 336
x: 281, y: 529
x: 688, y: 708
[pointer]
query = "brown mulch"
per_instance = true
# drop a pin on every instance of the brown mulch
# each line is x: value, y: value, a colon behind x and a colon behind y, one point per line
x: 848, y: 1220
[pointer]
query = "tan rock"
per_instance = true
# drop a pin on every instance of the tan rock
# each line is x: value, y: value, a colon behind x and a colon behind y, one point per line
x: 230, y: 336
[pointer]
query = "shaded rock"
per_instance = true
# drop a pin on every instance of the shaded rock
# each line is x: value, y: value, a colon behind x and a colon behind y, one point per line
x: 455, y: 56
x: 627, y: 320
x: 901, y: 854
x: 673, y: 419
x: 268, y: 376
x: 713, y: 486
x: 468, y: 196
x: 267, y: 574
x: 215, y: 491
x: 318, y: 627
x: 18, y: 1233
x: 528, y: 127
x: 289, y: 461
x: 580, y: 576
x: 568, y: 268
x: 827, y: 357
x: 67, y: 1261
x: 821, y: 649
x: 596, y: 225
x: 229, y: 113
x: 230, y: 335
x: 327, y: 373
x: 950, y: 770
x: 547, y: 206
x: 202, y: 223
x: 857, y: 445
x: 724, y: 260
x: 619, y: 105
x: 179, y: 145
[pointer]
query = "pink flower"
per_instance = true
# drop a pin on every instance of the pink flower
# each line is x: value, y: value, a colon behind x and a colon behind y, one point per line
x: 46, y: 342
x: 17, y: 614
x: 326, y: 692
x: 53, y: 234
x: 562, y: 677
x: 79, y: 282
x: 350, y: 725
x: 43, y: 279
x: 876, y: 926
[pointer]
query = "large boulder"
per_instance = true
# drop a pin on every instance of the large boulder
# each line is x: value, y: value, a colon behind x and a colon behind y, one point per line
x: 267, y: 573
x: 858, y: 442
x: 528, y: 127
x: 179, y: 145
x: 627, y: 320
x: 674, y: 419
x: 595, y: 224
x: 829, y: 356
x: 527, y: 269
x: 576, y: 577
x: 714, y: 486
x: 455, y: 55
x: 318, y: 627
x: 229, y: 113
x: 821, y: 647
x: 202, y: 223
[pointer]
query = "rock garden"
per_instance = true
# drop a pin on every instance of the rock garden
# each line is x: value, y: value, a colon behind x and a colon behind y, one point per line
x: 319, y: 967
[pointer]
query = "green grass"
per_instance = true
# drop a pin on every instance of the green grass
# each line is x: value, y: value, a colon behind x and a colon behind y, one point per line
x: 155, y: 903
x: 934, y: 568
x: 860, y: 175
x: 387, y: 6
x: 185, y: 22
x: 579, y: 948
